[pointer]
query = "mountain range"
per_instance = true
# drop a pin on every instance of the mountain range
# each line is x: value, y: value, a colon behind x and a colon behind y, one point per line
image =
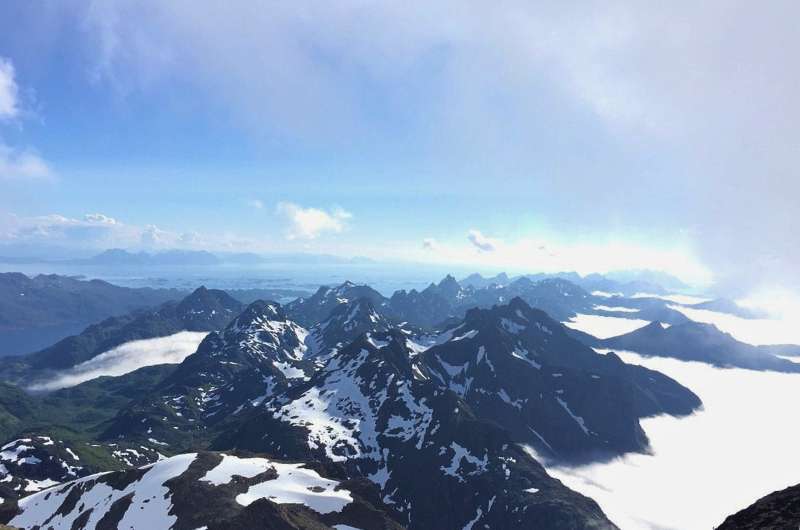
x: 623, y: 282
x: 250, y: 386
x: 388, y: 406
x: 203, y: 310
x: 35, y: 312
x: 329, y: 411
x: 449, y: 299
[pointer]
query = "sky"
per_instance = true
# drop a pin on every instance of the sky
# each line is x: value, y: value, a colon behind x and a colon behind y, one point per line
x: 524, y: 136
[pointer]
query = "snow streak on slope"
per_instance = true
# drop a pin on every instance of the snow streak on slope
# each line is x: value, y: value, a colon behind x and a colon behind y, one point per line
x: 742, y: 446
x: 150, y: 502
x: 128, y: 357
x: 604, y: 327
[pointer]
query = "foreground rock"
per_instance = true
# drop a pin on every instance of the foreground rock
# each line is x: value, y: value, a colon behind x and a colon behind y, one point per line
x: 777, y: 511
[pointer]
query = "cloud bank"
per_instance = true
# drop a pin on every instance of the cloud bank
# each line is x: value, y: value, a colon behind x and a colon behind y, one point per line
x: 747, y: 425
x: 126, y: 358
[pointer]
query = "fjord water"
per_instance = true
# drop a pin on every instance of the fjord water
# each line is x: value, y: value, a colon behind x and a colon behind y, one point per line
x: 740, y: 447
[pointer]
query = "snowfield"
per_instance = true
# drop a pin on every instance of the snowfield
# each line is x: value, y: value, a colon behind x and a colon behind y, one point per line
x: 297, y: 485
x: 149, y: 507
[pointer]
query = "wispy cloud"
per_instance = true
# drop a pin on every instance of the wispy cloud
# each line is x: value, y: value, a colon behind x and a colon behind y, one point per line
x: 22, y: 164
x: 256, y: 204
x: 96, y: 231
x: 16, y: 163
x: 310, y: 223
x: 8, y: 90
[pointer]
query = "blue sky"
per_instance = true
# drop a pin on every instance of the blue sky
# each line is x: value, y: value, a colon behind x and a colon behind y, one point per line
x: 528, y: 136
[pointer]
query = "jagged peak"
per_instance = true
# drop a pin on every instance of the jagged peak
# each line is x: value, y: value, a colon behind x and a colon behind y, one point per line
x: 357, y: 312
x: 512, y: 317
x: 517, y: 303
x: 522, y: 281
x: 376, y: 348
x: 256, y: 314
x: 448, y: 280
x: 655, y: 326
x: 322, y: 290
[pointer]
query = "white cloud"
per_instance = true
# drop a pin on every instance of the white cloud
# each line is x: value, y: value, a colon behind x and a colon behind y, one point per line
x: 99, y: 218
x: 256, y: 204
x: 8, y: 90
x: 98, y: 231
x: 481, y: 242
x: 93, y: 230
x: 22, y: 164
x: 128, y: 357
x: 310, y: 223
x: 153, y: 236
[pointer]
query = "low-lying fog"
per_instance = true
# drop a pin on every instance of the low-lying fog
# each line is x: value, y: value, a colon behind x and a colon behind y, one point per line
x: 128, y: 357
x: 783, y: 329
x: 743, y: 445
x: 604, y: 327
